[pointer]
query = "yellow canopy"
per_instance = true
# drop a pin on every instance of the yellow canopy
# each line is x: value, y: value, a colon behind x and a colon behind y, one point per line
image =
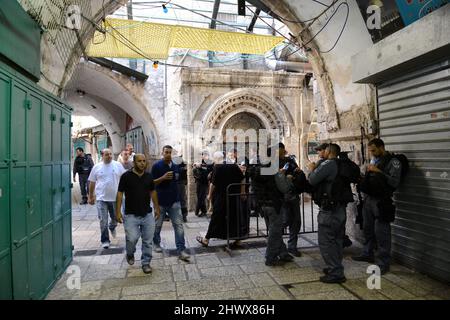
x: 154, y: 40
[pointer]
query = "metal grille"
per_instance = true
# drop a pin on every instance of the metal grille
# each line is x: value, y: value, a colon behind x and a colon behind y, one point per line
x: 414, y: 112
x: 51, y: 16
x: 136, y: 138
x: 249, y: 219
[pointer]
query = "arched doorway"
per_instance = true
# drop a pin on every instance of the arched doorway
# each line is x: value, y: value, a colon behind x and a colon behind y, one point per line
x: 244, y: 123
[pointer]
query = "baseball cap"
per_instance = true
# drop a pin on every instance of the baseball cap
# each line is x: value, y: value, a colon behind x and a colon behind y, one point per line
x: 322, y: 146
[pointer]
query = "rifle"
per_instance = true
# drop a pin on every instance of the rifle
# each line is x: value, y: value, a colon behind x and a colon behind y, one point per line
x: 359, y: 217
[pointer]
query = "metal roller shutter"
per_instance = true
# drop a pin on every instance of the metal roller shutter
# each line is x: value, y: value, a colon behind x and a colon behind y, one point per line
x: 414, y: 114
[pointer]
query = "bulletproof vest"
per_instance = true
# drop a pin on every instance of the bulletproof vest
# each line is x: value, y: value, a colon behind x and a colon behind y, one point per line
x: 263, y: 187
x: 375, y: 184
x: 338, y: 191
x: 83, y: 165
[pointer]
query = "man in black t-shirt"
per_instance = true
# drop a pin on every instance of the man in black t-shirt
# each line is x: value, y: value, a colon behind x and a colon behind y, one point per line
x: 138, y: 187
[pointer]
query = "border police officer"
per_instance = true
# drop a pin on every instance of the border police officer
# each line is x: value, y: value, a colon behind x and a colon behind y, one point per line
x: 331, y: 218
x: 383, y: 176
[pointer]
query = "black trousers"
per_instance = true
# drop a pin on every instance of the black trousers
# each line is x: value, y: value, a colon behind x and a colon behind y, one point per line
x: 202, y: 192
x: 84, y: 185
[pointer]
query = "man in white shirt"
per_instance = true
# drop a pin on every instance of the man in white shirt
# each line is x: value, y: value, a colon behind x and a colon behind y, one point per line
x: 103, y: 185
x: 131, y: 153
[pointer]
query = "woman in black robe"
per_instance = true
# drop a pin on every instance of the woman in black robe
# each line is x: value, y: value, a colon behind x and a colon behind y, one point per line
x: 222, y: 176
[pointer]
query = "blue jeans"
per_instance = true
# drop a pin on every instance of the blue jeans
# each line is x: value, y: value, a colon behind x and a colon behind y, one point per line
x: 103, y: 208
x: 138, y: 226
x: 176, y: 217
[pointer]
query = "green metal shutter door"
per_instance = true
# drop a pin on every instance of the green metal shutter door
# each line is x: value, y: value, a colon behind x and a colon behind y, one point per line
x: 57, y: 190
x: 414, y: 112
x: 33, y: 194
x: 35, y: 206
x: 19, y: 232
x: 66, y: 189
x: 47, y: 195
x: 5, y: 237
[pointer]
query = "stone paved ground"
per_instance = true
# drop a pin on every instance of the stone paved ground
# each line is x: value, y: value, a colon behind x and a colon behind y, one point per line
x: 214, y: 274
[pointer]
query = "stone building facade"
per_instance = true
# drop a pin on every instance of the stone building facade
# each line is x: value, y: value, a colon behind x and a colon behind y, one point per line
x: 221, y: 99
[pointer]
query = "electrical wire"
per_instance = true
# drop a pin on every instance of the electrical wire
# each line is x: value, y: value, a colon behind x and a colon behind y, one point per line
x: 324, y: 26
x: 277, y: 31
x: 197, y: 13
x: 343, y: 27
x: 218, y: 21
x: 50, y: 81
x: 319, y: 2
x: 136, y: 49
x: 304, y: 45
x: 298, y: 21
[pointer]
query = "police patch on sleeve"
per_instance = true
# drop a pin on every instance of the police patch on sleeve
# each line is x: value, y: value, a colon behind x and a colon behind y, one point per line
x: 396, y: 164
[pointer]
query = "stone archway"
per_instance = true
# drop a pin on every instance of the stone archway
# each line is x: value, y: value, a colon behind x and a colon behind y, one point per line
x: 119, y: 90
x: 243, y: 121
x: 272, y: 113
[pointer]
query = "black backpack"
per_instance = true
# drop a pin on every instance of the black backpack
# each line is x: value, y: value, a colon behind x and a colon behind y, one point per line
x: 405, y: 163
x: 348, y: 169
x: 341, y: 191
x: 375, y: 184
x: 348, y: 173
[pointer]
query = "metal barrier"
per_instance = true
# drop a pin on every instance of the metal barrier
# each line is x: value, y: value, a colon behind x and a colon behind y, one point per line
x: 247, y: 219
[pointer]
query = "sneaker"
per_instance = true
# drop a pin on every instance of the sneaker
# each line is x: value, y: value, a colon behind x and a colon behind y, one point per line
x: 158, y: 248
x: 330, y: 279
x: 105, y: 245
x: 365, y: 258
x: 147, y: 269
x: 295, y: 252
x: 287, y: 258
x: 113, y: 233
x: 83, y: 202
x: 130, y: 259
x: 184, y: 256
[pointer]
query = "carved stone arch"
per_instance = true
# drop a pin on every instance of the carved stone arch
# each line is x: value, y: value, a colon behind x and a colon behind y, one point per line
x: 270, y: 111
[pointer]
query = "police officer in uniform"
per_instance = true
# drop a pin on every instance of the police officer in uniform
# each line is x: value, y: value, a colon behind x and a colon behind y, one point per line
x: 383, y: 176
x: 291, y: 203
x: 83, y: 165
x: 331, y: 218
x: 269, y: 202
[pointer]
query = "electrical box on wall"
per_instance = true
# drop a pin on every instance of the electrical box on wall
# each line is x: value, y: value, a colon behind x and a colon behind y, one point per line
x: 372, y: 127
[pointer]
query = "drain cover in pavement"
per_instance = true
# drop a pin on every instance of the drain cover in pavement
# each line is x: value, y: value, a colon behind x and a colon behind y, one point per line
x: 84, y: 253
x: 111, y: 251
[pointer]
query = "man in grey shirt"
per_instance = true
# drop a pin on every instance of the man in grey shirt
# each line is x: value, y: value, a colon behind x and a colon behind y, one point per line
x: 383, y: 176
x: 331, y: 218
